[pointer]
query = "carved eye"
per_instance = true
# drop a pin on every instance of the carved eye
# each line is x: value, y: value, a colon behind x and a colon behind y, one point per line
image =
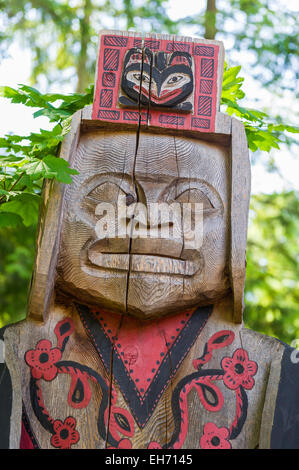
x: 129, y: 199
x: 106, y: 192
x: 175, y: 79
x: 137, y: 77
x: 194, y: 195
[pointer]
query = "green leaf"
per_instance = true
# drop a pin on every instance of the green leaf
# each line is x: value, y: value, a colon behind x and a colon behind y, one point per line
x: 231, y: 85
x: 9, y: 219
x: 37, y: 169
x: 50, y: 167
x: 30, y: 96
x: 261, y: 139
x: 9, y: 194
x: 25, y: 205
x: 26, y: 95
x: 283, y: 127
x: 66, y: 125
x: 61, y: 168
x: 10, y: 159
x: 53, y: 114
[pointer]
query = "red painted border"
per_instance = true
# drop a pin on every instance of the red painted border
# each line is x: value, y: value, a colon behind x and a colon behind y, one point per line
x: 112, y: 52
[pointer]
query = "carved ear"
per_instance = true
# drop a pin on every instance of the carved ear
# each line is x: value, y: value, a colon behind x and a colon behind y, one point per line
x: 48, y: 234
x: 135, y: 56
x: 180, y: 58
x: 240, y: 195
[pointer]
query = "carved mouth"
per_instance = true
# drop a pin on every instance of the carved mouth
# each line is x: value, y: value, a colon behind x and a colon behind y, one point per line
x: 165, y: 95
x: 96, y: 257
x: 144, y: 263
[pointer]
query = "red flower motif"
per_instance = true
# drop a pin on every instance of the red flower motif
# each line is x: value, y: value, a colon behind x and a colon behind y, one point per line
x: 42, y: 360
x: 123, y: 444
x: 65, y: 433
x: 238, y: 370
x: 154, y: 445
x: 214, y: 437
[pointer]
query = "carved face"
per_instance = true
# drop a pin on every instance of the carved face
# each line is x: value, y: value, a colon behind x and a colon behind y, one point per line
x: 145, y: 276
x: 166, y: 79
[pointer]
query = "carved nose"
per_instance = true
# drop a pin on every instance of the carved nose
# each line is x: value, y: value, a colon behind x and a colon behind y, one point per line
x: 159, y: 85
x: 148, y: 225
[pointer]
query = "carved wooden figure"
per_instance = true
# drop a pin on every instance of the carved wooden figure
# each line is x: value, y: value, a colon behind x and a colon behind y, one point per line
x: 134, y: 334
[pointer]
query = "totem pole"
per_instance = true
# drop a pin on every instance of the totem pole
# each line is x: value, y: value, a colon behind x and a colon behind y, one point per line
x: 134, y: 336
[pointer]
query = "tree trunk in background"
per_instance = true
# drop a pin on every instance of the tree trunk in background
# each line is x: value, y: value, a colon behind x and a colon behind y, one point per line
x: 210, y: 20
x: 129, y: 13
x: 82, y: 71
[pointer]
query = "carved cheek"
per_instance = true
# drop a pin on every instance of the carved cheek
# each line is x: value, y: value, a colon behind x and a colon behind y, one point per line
x: 133, y: 79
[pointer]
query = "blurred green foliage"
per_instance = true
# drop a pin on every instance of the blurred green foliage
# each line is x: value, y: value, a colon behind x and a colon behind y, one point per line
x: 272, y: 282
x: 16, y: 259
x: 62, y: 35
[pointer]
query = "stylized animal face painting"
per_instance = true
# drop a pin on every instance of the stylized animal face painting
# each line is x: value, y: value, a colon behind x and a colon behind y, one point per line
x: 166, y: 79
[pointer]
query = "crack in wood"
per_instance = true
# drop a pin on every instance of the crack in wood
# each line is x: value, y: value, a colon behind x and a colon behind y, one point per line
x: 135, y: 185
x: 181, y: 209
x: 115, y: 338
x: 134, y: 181
x: 170, y: 384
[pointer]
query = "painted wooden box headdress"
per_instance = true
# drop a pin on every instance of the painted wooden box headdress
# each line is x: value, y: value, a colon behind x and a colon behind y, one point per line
x: 165, y: 84
x: 175, y: 83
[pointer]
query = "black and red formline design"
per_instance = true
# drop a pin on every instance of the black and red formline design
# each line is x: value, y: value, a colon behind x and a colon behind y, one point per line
x: 106, y: 107
x: 116, y: 425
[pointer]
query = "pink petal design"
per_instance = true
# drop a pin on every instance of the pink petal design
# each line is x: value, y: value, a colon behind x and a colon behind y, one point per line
x: 43, y: 369
x: 70, y: 422
x: 50, y: 373
x: 154, y: 445
x: 212, y: 432
x: 225, y: 445
x: 210, y: 428
x: 252, y: 367
x: 240, y: 355
x: 248, y: 383
x: 226, y: 363
x: 57, y: 425
x: 55, y: 441
x: 231, y: 381
x: 55, y: 354
x: 36, y: 374
x: 30, y: 357
x: 233, y: 377
x: 124, y: 444
x: 43, y: 346
x: 74, y: 437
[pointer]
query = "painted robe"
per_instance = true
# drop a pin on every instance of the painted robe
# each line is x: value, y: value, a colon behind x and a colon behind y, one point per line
x: 88, y: 378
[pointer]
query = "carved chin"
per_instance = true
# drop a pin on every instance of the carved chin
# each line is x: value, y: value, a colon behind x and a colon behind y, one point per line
x: 152, y: 297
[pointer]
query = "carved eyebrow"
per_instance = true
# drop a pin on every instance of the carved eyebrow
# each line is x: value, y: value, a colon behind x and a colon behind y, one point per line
x: 175, y: 186
x: 181, y: 185
x: 123, y: 180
